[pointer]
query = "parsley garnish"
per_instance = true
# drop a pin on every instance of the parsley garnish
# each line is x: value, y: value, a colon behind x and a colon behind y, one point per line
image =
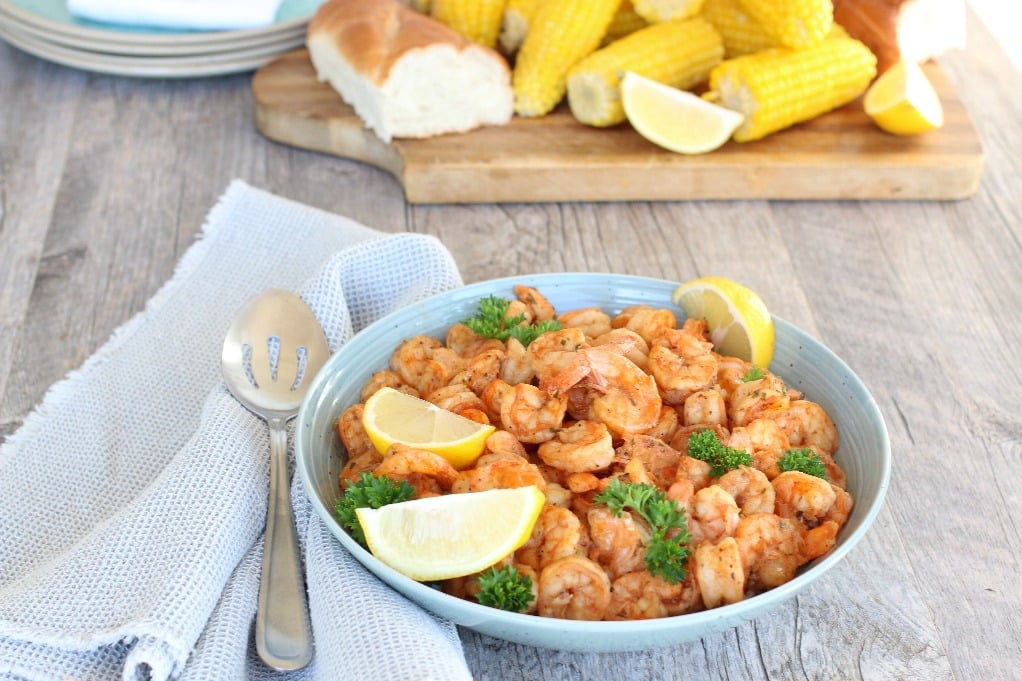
x: 753, y: 374
x: 492, y: 322
x: 505, y: 588
x: 705, y: 446
x: 372, y: 492
x: 667, y: 551
x: 805, y: 460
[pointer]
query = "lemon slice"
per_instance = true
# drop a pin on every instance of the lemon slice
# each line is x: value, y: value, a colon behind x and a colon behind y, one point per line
x: 675, y: 119
x: 739, y: 322
x: 451, y: 535
x: 902, y: 101
x: 392, y: 416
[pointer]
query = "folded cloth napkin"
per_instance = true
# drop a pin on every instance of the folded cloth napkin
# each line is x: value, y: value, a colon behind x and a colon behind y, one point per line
x: 201, y: 15
x: 132, y: 500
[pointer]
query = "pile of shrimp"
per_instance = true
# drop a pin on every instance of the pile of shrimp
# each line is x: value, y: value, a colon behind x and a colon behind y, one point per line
x: 618, y: 398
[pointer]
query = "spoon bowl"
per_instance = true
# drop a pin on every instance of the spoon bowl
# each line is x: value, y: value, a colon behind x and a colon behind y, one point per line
x: 272, y: 351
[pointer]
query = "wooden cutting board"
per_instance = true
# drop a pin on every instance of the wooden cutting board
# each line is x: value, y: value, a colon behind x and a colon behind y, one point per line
x: 841, y: 155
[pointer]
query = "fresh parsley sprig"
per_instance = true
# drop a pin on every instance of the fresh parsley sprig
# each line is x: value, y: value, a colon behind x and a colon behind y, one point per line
x: 668, y: 549
x: 505, y: 588
x: 805, y: 460
x: 372, y: 492
x: 491, y: 321
x: 706, y: 446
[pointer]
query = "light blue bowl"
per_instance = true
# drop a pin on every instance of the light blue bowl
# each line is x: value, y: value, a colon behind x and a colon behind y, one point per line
x: 799, y: 359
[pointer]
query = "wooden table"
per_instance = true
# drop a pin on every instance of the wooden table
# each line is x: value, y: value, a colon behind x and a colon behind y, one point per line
x: 104, y: 182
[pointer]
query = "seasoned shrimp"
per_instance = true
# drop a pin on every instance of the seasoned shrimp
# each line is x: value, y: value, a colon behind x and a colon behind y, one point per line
x: 731, y: 372
x: 705, y: 407
x: 356, y: 465
x: 573, y: 588
x: 771, y: 548
x: 666, y: 425
x: 386, y: 378
x: 425, y: 364
x: 633, y: 346
x: 430, y: 474
x: 647, y: 321
x: 556, y: 534
x: 459, y: 399
x: 658, y: 458
x: 553, y: 350
x: 481, y: 369
x: 353, y: 434
x: 467, y: 343
x: 819, y: 540
x: 540, y: 309
x: 584, y: 446
x: 527, y: 412
x: 714, y: 514
x: 640, y: 595
x: 503, y: 473
x: 764, y: 440
x: 765, y: 397
x: 719, y: 573
x: 804, y: 497
x: 592, y: 320
x: 502, y: 444
x: 695, y: 471
x: 682, y: 364
x: 751, y: 489
x: 516, y: 366
x: 618, y: 543
x: 626, y: 398
x: 807, y: 424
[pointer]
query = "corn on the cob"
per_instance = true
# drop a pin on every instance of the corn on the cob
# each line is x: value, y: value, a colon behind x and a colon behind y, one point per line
x: 518, y: 16
x: 655, y: 11
x: 780, y: 87
x: 477, y: 20
x: 562, y: 33
x: 741, y: 33
x: 793, y: 23
x: 625, y: 21
x: 678, y: 53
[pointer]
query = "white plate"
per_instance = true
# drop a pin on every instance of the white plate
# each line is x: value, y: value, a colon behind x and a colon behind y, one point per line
x: 52, y: 17
x: 191, y: 66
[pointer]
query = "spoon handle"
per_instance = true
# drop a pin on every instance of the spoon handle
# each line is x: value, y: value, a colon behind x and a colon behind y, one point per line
x: 282, y: 631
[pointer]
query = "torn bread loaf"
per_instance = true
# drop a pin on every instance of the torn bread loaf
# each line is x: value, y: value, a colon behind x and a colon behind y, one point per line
x: 404, y: 73
x: 910, y: 30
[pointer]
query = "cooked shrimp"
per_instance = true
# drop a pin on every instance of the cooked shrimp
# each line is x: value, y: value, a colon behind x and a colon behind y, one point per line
x: 681, y: 436
x: 819, y: 540
x: 502, y: 443
x: 626, y: 399
x: 807, y: 424
x: 695, y: 471
x: 556, y: 534
x: 658, y: 458
x: 751, y: 489
x: 516, y: 366
x: 666, y: 425
x: 457, y: 398
x: 385, y: 378
x: 530, y: 414
x: 731, y: 372
x: 681, y: 364
x: 584, y: 446
x: 540, y: 308
x: 771, y: 548
x: 764, y: 440
x: 425, y: 364
x: 718, y: 572
x: 803, y: 497
x: 618, y: 543
x: 430, y: 474
x: 647, y: 321
x: 835, y: 473
x: 592, y: 320
x: 765, y: 397
x: 705, y: 407
x: 356, y: 465
x: 353, y: 434
x: 553, y: 350
x: 714, y: 515
x: 503, y: 473
x: 573, y: 588
x: 467, y: 343
x: 640, y: 595
x: 633, y: 346
x: 480, y: 369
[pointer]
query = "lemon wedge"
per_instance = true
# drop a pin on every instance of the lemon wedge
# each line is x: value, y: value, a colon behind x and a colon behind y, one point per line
x: 676, y: 119
x: 740, y: 324
x: 902, y: 101
x: 391, y: 416
x: 451, y: 535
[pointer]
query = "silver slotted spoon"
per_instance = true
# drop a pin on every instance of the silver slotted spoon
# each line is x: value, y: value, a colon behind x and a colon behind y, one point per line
x: 272, y: 351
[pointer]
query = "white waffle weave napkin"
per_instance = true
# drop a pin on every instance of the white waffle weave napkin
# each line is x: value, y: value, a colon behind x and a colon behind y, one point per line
x: 132, y: 500
x: 179, y: 14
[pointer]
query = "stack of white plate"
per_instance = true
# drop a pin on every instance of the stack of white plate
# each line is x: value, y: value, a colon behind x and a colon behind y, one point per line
x: 46, y: 29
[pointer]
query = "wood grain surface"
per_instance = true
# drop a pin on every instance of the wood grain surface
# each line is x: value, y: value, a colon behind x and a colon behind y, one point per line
x: 106, y: 181
x: 840, y: 155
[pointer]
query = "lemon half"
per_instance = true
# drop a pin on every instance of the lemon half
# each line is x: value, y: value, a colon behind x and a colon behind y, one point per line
x: 902, y: 101
x: 391, y: 416
x: 740, y: 324
x: 674, y: 119
x: 451, y: 535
